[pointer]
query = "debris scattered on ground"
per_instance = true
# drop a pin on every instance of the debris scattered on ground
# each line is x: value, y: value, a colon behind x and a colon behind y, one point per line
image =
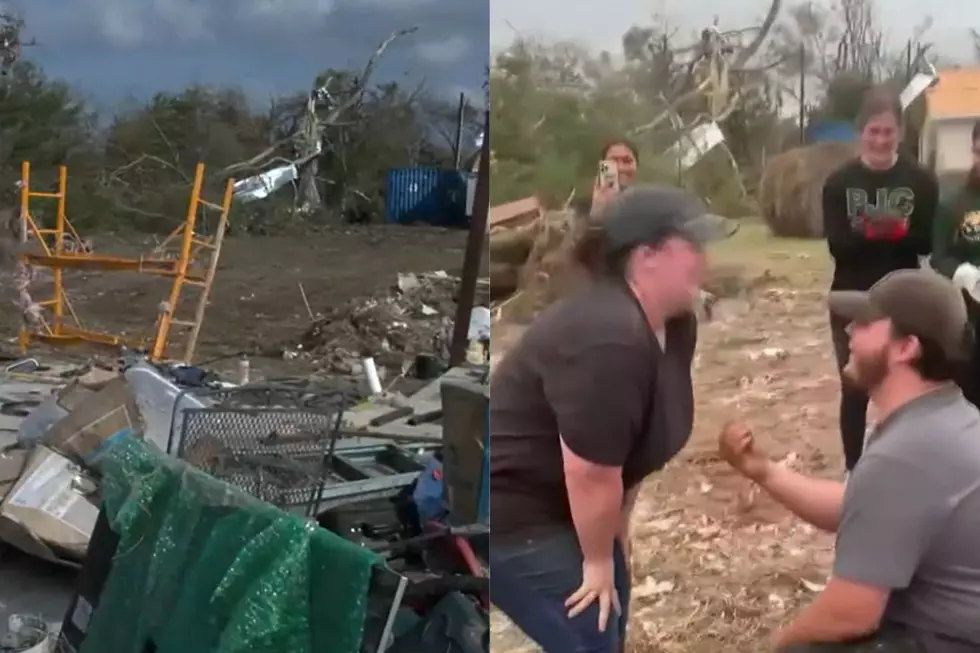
x: 48, y: 495
x: 414, y: 317
x: 26, y: 634
x: 47, y: 468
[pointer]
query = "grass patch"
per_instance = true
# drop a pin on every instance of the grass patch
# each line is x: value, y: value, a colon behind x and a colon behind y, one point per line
x: 756, y: 249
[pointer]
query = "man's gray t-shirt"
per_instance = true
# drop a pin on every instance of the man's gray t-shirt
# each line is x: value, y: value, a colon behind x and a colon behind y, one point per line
x: 911, y: 520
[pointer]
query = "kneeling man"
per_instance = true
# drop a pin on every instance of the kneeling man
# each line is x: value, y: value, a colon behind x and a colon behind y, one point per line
x: 906, y: 575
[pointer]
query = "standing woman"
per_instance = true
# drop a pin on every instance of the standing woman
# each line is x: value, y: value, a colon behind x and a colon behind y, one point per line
x: 595, y: 397
x: 878, y: 211
x: 956, y: 254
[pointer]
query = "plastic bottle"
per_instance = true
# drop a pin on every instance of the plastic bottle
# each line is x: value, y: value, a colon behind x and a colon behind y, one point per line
x: 157, y: 398
x: 371, y: 373
x: 242, y: 370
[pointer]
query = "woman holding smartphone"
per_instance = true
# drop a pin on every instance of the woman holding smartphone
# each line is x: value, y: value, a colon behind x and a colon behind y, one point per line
x: 617, y: 171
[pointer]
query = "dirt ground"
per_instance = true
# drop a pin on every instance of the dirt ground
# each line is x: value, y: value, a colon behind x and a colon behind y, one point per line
x: 256, y: 302
x: 716, y: 566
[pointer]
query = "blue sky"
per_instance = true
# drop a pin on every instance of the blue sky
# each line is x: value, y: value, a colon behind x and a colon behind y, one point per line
x: 114, y: 50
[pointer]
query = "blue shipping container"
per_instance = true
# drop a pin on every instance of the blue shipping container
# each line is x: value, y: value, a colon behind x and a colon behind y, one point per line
x: 831, y: 132
x: 429, y: 195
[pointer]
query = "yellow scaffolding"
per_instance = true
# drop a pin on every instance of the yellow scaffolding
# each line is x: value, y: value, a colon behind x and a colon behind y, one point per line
x: 61, y: 325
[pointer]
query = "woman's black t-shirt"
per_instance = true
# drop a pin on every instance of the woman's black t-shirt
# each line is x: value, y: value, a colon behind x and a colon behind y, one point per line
x: 590, y: 369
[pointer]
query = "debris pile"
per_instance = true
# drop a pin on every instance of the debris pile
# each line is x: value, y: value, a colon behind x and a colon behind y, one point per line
x: 532, y: 263
x: 266, y: 441
x: 415, y: 317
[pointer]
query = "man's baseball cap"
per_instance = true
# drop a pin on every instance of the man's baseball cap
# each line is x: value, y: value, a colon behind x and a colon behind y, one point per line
x: 921, y: 303
x: 643, y: 214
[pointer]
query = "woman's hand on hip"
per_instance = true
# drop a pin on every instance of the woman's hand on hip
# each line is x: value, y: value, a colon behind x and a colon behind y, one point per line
x: 598, y: 585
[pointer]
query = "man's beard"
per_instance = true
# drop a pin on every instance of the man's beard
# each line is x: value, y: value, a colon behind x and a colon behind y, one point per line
x: 866, y: 373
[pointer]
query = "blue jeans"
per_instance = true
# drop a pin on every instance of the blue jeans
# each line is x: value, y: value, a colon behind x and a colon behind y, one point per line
x: 532, y: 579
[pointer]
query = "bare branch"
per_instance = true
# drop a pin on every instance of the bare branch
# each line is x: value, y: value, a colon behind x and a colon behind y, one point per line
x: 748, y: 52
x: 316, y: 123
x: 257, y: 160
x: 116, y: 174
x: 365, y: 77
x: 174, y: 152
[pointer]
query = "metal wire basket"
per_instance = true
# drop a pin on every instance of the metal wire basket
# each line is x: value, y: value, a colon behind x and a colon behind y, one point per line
x: 273, y: 442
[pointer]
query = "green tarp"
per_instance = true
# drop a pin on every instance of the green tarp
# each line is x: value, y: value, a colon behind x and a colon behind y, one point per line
x: 203, y: 568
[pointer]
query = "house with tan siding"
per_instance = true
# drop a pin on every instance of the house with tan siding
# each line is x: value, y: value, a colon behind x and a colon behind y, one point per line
x: 952, y: 107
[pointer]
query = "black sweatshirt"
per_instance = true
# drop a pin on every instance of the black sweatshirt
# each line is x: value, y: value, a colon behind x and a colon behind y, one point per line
x: 877, y: 221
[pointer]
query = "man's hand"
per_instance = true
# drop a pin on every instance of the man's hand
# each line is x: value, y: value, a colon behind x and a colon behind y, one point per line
x: 967, y: 277
x: 886, y: 228
x: 598, y: 584
x: 736, y: 445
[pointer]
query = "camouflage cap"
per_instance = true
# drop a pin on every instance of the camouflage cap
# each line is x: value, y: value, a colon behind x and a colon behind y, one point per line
x: 921, y: 303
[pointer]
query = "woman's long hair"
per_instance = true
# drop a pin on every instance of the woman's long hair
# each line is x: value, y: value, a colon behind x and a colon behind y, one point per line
x: 625, y: 142
x: 965, y: 199
x: 589, y: 248
x: 972, y: 183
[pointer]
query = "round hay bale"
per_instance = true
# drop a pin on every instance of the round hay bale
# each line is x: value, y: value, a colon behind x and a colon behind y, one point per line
x: 791, y: 189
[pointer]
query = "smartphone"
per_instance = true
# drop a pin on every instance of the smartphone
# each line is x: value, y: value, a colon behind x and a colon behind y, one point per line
x: 608, y: 175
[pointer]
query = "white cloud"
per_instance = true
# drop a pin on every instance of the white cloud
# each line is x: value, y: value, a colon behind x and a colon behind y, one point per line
x: 132, y: 23
x: 392, y: 4
x: 123, y: 28
x: 284, y: 11
x: 187, y: 19
x: 446, y: 51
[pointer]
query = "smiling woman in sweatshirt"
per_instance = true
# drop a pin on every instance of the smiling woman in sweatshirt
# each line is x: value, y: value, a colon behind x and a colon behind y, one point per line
x: 956, y: 253
x: 878, y: 212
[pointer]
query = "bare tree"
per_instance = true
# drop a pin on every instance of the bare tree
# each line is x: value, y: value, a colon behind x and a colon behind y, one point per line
x: 11, y: 28
x: 822, y: 44
x: 321, y: 111
x: 705, y: 71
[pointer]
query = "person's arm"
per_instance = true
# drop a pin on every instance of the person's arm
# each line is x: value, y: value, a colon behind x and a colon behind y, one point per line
x: 920, y: 236
x: 893, y: 513
x: 599, y: 394
x: 845, y: 244
x: 944, y: 260
x: 626, y: 514
x: 816, y: 501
